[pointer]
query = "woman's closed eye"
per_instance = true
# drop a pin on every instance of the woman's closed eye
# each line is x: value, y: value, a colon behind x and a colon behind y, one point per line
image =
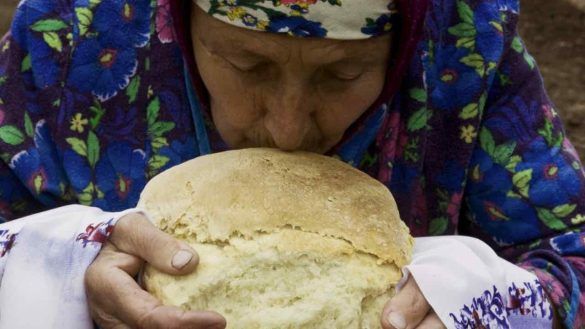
x: 340, y: 74
x: 346, y: 75
x: 245, y: 66
x: 343, y: 71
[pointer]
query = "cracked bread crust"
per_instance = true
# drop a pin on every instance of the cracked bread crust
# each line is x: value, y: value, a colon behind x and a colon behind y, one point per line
x: 286, y: 240
x: 252, y: 190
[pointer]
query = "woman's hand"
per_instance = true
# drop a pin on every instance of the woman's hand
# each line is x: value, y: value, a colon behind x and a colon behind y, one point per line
x: 409, y: 310
x: 116, y: 301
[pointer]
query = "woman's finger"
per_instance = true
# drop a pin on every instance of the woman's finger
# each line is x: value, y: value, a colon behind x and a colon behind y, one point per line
x: 407, y: 309
x: 135, y: 235
x: 116, y: 300
x: 432, y: 321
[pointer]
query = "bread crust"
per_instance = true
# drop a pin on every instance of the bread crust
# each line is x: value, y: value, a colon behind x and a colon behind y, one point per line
x: 240, y: 193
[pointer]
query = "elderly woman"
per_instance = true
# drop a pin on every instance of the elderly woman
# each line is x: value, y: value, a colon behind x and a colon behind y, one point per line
x: 439, y: 100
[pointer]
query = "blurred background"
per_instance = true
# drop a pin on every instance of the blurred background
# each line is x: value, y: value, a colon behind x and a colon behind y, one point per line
x: 554, y: 32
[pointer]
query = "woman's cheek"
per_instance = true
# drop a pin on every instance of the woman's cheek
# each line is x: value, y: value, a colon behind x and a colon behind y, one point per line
x: 341, y: 109
x: 235, y: 113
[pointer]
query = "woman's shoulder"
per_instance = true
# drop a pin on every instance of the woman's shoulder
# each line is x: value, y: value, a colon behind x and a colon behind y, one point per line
x: 484, y: 27
x: 93, y: 46
x: 87, y: 85
x: 112, y: 52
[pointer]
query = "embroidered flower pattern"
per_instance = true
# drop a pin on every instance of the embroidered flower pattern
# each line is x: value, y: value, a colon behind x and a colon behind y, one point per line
x: 7, y: 241
x: 96, y: 233
x: 294, y: 17
x: 494, y: 310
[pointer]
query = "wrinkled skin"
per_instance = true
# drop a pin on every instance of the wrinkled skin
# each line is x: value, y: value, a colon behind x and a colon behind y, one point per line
x: 266, y: 90
x: 116, y: 301
x: 285, y: 92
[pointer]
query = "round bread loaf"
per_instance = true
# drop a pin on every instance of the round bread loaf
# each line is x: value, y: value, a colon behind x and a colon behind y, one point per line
x: 286, y: 240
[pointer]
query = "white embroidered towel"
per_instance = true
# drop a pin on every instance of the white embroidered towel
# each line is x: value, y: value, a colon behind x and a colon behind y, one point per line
x: 469, y: 286
x: 43, y: 259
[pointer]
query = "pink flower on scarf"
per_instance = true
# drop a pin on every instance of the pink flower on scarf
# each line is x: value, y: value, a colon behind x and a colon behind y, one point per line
x: 298, y: 2
x: 164, y: 22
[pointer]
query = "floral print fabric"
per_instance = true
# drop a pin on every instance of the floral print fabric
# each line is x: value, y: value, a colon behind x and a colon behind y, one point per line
x: 334, y: 19
x: 93, y: 104
x: 521, y: 307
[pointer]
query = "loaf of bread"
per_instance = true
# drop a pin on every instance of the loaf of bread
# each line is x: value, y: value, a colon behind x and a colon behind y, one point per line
x: 286, y: 240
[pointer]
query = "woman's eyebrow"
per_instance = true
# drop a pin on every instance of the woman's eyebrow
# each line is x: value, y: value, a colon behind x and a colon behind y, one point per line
x: 230, y: 46
x: 236, y: 48
x: 342, y: 56
x: 332, y: 60
x: 362, y: 60
x: 343, y: 51
x: 239, y: 53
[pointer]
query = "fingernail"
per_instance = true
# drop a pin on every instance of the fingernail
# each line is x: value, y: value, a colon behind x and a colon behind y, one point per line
x: 397, y: 320
x: 181, y: 259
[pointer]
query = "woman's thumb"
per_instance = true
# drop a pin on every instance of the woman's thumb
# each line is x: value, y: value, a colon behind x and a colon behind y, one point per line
x: 134, y: 234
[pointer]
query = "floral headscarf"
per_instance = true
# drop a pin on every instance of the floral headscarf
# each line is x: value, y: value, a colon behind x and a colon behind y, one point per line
x: 332, y: 19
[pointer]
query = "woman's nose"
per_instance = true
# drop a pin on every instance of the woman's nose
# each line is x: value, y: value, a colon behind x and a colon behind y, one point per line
x: 288, y: 118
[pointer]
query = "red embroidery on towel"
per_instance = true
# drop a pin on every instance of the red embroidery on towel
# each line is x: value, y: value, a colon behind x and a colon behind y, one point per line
x: 96, y: 233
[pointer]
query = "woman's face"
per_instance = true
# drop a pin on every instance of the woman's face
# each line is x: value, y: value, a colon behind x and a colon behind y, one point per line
x: 271, y: 90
